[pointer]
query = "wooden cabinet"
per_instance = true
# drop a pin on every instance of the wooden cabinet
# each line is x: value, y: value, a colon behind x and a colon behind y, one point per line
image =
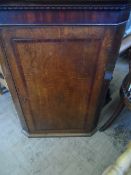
x: 58, y: 63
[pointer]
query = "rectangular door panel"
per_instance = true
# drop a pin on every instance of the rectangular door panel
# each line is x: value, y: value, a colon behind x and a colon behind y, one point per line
x: 58, y: 74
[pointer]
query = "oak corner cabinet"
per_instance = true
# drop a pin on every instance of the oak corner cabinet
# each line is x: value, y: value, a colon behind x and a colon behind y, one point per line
x: 58, y: 58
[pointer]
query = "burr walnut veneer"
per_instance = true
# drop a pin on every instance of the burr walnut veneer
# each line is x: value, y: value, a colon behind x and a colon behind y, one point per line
x: 58, y: 59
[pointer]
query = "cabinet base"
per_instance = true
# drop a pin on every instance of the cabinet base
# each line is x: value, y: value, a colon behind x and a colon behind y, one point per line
x: 36, y: 135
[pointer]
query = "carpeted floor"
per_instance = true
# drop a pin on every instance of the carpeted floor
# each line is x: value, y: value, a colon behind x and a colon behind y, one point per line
x: 20, y: 155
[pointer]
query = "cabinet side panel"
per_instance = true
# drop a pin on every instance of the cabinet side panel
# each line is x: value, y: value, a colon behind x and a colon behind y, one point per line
x: 109, y: 52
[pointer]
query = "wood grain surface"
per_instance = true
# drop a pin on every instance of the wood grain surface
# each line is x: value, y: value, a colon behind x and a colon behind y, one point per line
x: 58, y: 61
x: 58, y: 74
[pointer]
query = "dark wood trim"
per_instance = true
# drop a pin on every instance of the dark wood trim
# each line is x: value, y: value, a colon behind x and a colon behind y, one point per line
x: 41, y: 13
x: 66, y: 7
x: 62, y: 17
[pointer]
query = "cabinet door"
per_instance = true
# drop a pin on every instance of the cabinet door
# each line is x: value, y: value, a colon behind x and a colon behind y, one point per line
x: 58, y: 73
